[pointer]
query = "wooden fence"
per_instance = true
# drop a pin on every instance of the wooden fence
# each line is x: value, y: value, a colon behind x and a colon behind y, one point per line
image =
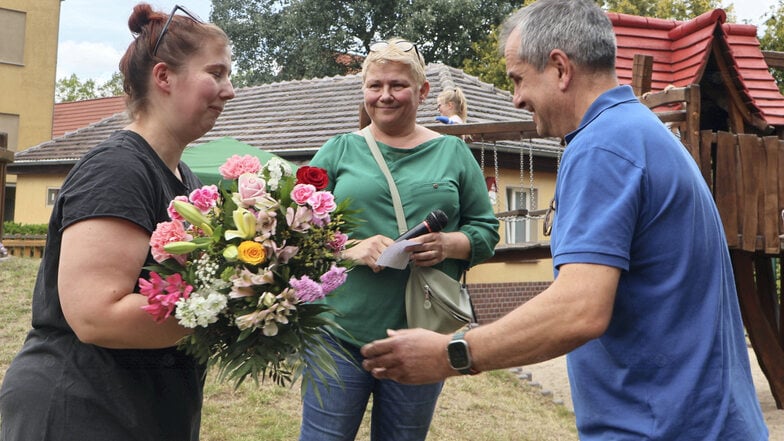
x: 30, y: 247
x: 747, y: 179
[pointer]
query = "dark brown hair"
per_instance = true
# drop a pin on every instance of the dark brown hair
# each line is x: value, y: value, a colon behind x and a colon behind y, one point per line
x: 184, y: 37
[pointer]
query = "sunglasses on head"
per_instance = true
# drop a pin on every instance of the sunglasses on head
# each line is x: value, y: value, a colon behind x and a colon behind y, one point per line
x: 188, y: 13
x: 403, y: 45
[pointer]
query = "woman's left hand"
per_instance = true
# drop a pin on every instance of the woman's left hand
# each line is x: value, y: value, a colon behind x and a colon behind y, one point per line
x: 435, y: 247
x: 429, y: 251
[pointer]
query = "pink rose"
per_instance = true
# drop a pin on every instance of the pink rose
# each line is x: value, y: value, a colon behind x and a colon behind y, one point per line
x: 167, y: 232
x: 205, y: 198
x: 323, y: 203
x: 173, y: 215
x: 250, y: 190
x: 302, y: 192
x: 237, y: 165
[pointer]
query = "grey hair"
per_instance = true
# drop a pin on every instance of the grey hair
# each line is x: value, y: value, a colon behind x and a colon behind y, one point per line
x: 577, y: 27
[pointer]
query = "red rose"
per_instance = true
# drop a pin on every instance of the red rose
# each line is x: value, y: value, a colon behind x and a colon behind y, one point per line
x: 314, y: 176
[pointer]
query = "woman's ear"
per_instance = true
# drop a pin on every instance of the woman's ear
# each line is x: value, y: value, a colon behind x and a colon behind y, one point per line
x: 424, y: 91
x: 161, y: 77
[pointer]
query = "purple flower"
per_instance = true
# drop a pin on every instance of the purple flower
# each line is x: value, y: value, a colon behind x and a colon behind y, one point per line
x: 306, y: 289
x: 332, y: 279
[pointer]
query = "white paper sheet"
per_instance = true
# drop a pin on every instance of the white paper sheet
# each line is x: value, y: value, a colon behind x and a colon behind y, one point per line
x: 394, y: 256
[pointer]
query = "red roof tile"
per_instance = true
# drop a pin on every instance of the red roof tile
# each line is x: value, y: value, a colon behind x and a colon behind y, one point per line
x: 71, y: 116
x: 681, y: 50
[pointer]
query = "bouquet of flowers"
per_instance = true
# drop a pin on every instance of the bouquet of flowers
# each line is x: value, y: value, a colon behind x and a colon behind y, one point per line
x: 242, y: 266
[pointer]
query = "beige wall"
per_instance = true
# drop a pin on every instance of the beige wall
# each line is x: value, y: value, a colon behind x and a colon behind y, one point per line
x: 29, y: 32
x: 27, y: 89
x: 533, y: 270
x: 32, y: 206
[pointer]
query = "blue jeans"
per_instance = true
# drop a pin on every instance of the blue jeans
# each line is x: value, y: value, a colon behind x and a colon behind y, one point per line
x: 400, y: 412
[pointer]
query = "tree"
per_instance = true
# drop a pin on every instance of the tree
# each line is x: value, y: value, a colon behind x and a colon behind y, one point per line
x: 668, y: 9
x: 71, y: 88
x: 773, y: 37
x: 488, y: 66
x: 276, y: 40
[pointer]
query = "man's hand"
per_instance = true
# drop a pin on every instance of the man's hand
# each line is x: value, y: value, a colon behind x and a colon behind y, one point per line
x: 410, y: 356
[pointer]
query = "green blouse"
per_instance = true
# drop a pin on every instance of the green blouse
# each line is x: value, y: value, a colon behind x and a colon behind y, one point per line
x: 438, y: 174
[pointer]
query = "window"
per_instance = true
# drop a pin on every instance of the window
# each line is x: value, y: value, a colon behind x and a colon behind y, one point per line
x: 519, y: 229
x: 9, y: 124
x: 51, y: 196
x: 12, y: 36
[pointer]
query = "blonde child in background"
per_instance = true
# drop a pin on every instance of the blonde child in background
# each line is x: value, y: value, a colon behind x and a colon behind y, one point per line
x: 452, y: 105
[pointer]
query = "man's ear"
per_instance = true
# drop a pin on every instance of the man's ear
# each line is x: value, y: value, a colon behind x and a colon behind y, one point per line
x: 161, y: 76
x: 563, y: 66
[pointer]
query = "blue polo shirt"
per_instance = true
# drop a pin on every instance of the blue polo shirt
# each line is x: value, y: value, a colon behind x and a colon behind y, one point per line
x: 673, y: 363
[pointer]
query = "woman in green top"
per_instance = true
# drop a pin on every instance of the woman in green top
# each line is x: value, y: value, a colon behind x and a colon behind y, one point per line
x: 431, y: 171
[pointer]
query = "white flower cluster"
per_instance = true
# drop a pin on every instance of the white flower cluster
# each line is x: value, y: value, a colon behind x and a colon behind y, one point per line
x: 206, y: 269
x: 200, y: 310
x: 277, y: 168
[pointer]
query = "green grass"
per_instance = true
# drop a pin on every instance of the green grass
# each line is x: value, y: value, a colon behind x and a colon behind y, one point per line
x: 494, y: 406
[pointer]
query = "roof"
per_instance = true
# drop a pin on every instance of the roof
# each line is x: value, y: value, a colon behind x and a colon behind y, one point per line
x: 294, y: 118
x: 681, y: 51
x: 74, y: 115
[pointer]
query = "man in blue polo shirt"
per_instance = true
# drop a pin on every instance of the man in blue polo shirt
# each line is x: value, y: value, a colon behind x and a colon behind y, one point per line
x: 644, y: 299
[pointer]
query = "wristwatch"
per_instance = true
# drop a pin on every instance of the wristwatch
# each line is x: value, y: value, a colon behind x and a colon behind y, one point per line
x: 458, y: 354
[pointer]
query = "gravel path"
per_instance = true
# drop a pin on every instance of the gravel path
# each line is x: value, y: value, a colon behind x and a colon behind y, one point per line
x: 551, y: 377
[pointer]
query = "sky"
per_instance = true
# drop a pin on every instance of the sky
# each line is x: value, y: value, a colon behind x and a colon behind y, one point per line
x: 94, y: 34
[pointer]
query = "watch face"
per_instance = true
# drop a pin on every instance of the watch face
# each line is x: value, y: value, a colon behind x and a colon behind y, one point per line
x: 458, y: 355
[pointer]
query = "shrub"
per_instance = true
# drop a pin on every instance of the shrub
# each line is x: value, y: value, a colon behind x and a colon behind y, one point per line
x: 15, y: 229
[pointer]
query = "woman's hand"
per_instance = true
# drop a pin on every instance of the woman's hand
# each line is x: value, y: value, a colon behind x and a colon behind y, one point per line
x: 435, y: 247
x: 367, y: 251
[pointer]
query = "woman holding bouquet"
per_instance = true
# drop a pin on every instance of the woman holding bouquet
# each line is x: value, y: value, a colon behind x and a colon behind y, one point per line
x: 431, y: 171
x: 96, y: 366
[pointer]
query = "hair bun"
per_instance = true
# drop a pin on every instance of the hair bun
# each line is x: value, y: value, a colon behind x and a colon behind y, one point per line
x: 141, y: 16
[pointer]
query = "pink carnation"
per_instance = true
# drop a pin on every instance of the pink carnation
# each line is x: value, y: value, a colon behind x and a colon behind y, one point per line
x: 306, y: 289
x: 302, y: 192
x: 338, y: 242
x: 173, y: 215
x: 162, y: 295
x: 167, y: 232
x: 205, y: 198
x: 323, y: 203
x: 235, y: 166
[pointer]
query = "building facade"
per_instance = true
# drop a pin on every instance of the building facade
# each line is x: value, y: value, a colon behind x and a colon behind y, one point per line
x: 28, y: 61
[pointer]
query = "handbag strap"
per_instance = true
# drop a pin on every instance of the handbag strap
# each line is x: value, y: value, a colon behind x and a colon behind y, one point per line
x: 382, y: 164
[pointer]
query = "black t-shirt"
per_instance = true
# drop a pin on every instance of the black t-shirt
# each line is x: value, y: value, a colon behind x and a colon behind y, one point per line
x: 58, y: 388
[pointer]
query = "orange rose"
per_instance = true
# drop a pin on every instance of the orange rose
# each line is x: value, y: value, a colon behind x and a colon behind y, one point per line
x: 251, y: 252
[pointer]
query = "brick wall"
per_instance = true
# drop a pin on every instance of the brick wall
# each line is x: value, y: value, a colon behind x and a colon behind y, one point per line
x: 494, y: 300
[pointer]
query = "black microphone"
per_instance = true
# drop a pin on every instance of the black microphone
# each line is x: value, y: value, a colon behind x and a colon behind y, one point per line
x: 435, y: 221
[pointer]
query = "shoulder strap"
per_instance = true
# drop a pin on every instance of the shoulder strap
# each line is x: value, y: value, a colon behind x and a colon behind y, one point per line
x: 401, y: 217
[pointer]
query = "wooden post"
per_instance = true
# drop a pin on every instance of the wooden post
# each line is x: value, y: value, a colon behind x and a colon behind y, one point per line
x: 5, y: 157
x: 642, y: 72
